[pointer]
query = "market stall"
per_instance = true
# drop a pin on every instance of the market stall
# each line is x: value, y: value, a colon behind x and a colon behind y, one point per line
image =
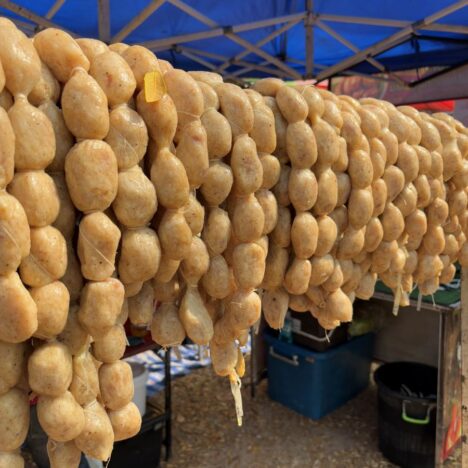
x: 128, y: 182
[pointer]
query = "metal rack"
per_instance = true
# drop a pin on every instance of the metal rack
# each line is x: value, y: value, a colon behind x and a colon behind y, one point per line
x: 166, y: 412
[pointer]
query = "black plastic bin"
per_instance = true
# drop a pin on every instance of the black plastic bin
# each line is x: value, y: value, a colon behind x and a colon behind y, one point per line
x: 143, y: 450
x: 407, y: 394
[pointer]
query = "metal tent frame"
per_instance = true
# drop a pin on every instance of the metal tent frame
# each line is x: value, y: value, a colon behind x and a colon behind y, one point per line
x: 271, y: 65
x: 31, y: 22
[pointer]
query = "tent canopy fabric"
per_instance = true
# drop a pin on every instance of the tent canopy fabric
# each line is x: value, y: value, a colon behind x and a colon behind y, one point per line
x: 291, y: 39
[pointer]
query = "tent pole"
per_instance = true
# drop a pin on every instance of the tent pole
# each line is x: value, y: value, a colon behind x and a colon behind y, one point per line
x: 452, y: 28
x: 260, y: 43
x: 261, y: 67
x: 193, y: 13
x: 195, y: 58
x: 391, y: 41
x: 104, y: 20
x: 31, y: 16
x: 202, y: 53
x: 426, y: 78
x: 228, y: 32
x: 267, y: 22
x: 265, y: 55
x: 355, y: 73
x: 239, y: 28
x: 27, y: 28
x: 309, y: 39
x: 247, y: 65
x: 137, y: 20
x: 331, y: 32
x: 54, y: 8
x: 167, y: 43
x: 356, y: 50
x: 299, y: 62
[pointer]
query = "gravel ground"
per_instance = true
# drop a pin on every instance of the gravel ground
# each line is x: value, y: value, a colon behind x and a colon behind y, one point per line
x: 205, y: 433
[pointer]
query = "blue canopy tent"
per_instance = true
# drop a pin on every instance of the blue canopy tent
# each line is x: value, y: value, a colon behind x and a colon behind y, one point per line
x: 291, y: 39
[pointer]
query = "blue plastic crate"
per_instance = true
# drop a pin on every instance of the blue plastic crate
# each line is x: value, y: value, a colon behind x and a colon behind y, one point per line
x: 316, y: 383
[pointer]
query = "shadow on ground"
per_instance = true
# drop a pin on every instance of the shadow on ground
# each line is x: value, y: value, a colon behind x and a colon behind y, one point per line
x: 205, y: 433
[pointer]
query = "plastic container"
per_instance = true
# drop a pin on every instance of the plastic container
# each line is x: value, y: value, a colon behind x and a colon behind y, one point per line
x: 36, y: 444
x: 143, y: 450
x: 140, y: 377
x: 92, y: 463
x: 317, y: 382
x: 307, y: 332
x: 407, y: 394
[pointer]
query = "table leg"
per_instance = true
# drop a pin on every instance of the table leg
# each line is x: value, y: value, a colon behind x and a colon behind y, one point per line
x: 253, y: 367
x: 464, y: 359
x: 168, y: 402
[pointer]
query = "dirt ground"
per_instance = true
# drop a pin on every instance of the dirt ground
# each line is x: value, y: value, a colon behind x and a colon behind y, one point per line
x: 205, y: 433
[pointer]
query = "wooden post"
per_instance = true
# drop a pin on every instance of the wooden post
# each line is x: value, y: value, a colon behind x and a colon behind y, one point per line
x: 464, y: 357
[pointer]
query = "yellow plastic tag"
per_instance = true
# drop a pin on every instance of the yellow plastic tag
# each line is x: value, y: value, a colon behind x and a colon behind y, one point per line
x: 155, y: 86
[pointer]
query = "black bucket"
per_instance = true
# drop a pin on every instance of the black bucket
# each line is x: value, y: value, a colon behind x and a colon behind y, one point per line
x: 407, y: 413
